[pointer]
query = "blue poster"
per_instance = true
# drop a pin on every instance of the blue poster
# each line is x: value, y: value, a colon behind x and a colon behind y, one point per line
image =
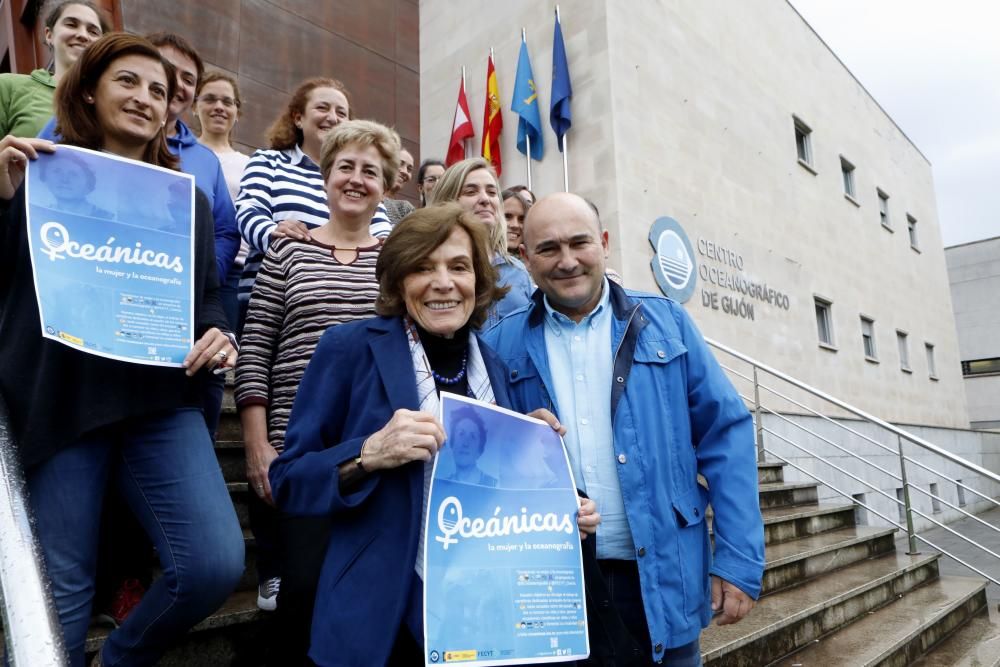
x: 112, y: 252
x: 503, y: 569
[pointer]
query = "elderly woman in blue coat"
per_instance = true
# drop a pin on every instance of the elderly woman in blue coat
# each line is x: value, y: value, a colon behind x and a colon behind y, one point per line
x: 360, y: 449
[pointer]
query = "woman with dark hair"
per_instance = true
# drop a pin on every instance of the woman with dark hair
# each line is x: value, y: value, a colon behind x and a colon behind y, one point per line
x: 282, y: 194
x: 366, y: 462
x: 473, y: 184
x: 427, y: 177
x: 26, y: 99
x: 82, y: 421
x: 468, y: 443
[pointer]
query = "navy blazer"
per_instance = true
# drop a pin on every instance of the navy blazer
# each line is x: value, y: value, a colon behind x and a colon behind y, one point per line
x: 359, y: 375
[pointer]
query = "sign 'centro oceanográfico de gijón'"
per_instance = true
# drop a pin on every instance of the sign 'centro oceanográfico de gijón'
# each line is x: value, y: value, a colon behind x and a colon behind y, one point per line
x: 726, y: 286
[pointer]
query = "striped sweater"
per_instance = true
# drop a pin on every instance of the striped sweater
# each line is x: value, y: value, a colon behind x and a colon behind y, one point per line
x: 283, y: 185
x: 301, y: 291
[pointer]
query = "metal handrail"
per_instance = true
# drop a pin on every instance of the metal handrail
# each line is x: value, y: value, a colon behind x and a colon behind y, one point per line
x: 920, y: 442
x: 840, y: 491
x: 833, y: 465
x: 833, y: 444
x: 953, y: 481
x: 902, y: 436
x: 32, y: 632
x: 956, y: 508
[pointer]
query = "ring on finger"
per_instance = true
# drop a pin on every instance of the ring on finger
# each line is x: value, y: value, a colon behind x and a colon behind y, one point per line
x: 223, y: 355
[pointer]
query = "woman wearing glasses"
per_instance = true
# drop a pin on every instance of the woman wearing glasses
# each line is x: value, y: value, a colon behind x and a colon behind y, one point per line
x: 217, y: 106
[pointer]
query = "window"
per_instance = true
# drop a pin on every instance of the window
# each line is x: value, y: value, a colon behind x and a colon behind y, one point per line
x: 824, y: 321
x: 847, y: 170
x: 883, y: 209
x: 911, y: 227
x: 931, y: 366
x: 860, y: 514
x: 803, y: 144
x: 981, y: 366
x: 935, y: 499
x: 904, y: 351
x: 868, y: 338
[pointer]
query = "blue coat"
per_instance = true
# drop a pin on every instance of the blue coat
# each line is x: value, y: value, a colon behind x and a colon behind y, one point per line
x: 674, y: 415
x: 199, y: 161
x: 360, y: 374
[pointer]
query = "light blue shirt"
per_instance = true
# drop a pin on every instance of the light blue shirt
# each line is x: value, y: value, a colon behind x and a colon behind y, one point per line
x: 581, y: 366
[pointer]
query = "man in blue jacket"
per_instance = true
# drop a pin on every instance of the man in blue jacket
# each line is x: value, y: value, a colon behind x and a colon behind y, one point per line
x: 647, y: 409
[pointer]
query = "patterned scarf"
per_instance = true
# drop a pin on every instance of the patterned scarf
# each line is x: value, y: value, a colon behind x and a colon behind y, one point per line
x: 479, y: 385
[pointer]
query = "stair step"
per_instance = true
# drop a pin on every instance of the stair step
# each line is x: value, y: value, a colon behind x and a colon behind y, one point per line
x: 782, y: 524
x: 797, y: 561
x: 901, y: 631
x: 783, y: 494
x: 791, y: 619
x: 235, y: 629
x: 232, y: 460
x: 977, y: 644
x: 770, y: 472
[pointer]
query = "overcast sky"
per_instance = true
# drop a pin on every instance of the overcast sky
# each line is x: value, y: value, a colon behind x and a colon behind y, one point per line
x: 934, y: 66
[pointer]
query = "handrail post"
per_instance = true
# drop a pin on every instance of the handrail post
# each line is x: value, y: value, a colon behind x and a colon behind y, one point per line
x: 32, y: 632
x: 911, y: 535
x: 757, y: 417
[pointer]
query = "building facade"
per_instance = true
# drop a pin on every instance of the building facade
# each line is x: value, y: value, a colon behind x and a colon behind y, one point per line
x: 801, y: 219
x: 974, y: 273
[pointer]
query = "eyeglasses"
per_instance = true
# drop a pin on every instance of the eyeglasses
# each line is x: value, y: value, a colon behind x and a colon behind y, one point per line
x: 227, y: 102
x: 431, y: 179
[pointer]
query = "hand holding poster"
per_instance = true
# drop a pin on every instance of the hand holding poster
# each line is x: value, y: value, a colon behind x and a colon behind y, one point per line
x: 503, y: 568
x: 112, y: 252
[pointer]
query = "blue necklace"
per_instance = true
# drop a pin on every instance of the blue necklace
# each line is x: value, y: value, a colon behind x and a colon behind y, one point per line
x: 440, y: 379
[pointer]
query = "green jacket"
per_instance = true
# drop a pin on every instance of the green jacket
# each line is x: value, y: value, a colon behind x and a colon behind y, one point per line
x: 25, y: 102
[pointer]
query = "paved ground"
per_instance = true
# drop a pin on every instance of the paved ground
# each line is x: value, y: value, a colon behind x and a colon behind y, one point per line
x: 967, y: 552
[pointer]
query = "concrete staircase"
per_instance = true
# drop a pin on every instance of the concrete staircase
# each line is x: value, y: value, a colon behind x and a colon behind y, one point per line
x: 837, y: 593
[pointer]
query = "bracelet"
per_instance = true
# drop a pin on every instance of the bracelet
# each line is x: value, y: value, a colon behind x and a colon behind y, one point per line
x: 357, y: 461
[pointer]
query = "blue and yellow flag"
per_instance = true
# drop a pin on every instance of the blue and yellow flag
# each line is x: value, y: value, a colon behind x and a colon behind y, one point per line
x: 525, y: 105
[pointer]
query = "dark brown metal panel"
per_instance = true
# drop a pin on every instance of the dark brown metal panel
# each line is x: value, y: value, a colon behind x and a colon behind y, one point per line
x: 368, y: 23
x: 407, y: 111
x: 297, y: 49
x: 213, y: 28
x: 261, y: 105
x: 408, y: 35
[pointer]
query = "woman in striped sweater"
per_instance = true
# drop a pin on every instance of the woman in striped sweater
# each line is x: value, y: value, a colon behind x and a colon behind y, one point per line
x: 282, y: 194
x: 305, y: 286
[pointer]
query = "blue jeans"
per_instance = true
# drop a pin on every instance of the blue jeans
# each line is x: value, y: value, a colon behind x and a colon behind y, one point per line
x: 167, y: 473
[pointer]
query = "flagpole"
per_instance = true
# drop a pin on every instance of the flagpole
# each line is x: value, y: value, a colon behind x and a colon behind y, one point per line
x: 488, y: 92
x: 565, y: 144
x: 465, y: 142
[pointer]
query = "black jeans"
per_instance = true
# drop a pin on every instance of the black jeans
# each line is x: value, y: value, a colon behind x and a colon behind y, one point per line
x: 625, y: 593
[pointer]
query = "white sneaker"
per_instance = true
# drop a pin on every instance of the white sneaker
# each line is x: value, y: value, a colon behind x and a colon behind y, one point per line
x: 267, y: 594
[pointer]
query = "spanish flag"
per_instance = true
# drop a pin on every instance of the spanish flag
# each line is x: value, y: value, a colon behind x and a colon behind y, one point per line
x: 492, y: 118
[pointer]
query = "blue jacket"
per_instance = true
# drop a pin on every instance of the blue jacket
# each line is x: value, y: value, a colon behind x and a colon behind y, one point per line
x: 675, y: 415
x: 199, y: 161
x: 358, y: 377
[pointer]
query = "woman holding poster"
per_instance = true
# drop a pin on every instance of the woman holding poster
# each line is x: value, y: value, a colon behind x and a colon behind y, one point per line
x: 375, y: 432
x: 83, y: 420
